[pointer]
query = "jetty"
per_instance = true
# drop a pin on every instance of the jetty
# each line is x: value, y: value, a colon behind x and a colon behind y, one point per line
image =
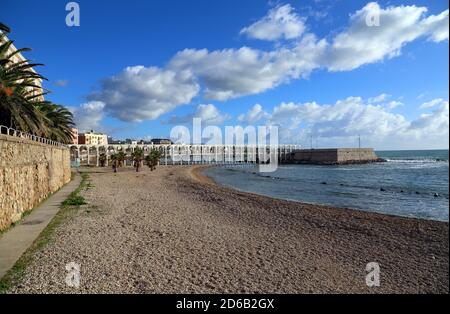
x: 335, y: 156
x: 90, y: 155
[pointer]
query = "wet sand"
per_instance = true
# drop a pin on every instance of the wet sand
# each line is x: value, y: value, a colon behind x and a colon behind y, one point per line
x: 175, y: 231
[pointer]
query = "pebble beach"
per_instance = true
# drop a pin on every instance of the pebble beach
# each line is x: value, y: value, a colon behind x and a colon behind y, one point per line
x: 174, y: 230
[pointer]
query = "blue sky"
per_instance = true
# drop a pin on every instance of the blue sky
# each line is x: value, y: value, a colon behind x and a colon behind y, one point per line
x: 310, y: 67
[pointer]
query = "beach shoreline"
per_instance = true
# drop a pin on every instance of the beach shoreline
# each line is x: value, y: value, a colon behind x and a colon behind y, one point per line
x: 412, y: 190
x: 198, y: 174
x: 175, y: 230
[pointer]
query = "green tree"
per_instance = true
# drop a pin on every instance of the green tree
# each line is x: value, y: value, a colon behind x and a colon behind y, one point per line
x: 152, y: 158
x: 20, y: 105
x: 117, y: 160
x: 17, y: 109
x: 121, y: 158
x: 138, y: 156
x: 57, y: 121
x: 102, y: 159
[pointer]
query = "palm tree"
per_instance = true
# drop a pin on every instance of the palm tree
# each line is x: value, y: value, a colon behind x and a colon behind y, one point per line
x: 115, y: 161
x: 137, y: 155
x: 121, y: 158
x: 4, y: 28
x: 16, y: 88
x: 16, y: 108
x: 102, y: 159
x: 57, y: 121
x: 152, y: 158
x: 20, y: 107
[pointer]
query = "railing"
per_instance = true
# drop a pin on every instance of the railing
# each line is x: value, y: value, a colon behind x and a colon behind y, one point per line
x: 16, y: 133
x: 188, y: 154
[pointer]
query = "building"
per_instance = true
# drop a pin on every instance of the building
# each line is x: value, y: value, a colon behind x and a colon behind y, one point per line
x: 143, y: 142
x: 74, y: 136
x: 161, y: 141
x: 92, y: 138
x: 114, y: 142
x: 16, y: 58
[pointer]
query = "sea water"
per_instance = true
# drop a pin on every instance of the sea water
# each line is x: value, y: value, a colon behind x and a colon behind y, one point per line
x: 410, y: 183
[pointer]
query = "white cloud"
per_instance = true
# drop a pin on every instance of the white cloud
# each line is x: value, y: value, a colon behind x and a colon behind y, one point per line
x: 280, y: 22
x: 347, y: 117
x: 88, y: 116
x: 341, y: 123
x: 393, y: 104
x: 61, y: 83
x: 233, y: 73
x: 379, y: 98
x: 434, y: 124
x: 437, y: 26
x: 433, y: 103
x: 420, y: 96
x: 139, y: 93
x: 383, y: 100
x: 209, y: 114
x: 228, y: 73
x: 361, y: 44
x: 255, y: 114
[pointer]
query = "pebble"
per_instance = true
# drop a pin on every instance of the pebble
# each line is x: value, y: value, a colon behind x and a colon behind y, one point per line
x: 167, y: 230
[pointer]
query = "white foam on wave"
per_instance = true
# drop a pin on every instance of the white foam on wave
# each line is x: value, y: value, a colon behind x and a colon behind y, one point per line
x: 417, y: 161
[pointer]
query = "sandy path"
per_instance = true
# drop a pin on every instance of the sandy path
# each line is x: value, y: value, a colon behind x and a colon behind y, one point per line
x: 165, y: 232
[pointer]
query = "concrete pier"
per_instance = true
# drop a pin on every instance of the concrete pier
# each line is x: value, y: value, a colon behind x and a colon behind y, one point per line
x: 336, y: 156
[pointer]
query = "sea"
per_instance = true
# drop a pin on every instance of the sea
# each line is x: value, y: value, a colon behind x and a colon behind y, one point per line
x: 411, y: 183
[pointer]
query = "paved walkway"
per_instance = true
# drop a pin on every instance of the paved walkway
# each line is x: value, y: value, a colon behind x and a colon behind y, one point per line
x: 19, y: 238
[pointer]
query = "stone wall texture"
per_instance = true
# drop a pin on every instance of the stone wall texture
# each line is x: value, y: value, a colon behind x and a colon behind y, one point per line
x: 335, y: 155
x: 29, y: 172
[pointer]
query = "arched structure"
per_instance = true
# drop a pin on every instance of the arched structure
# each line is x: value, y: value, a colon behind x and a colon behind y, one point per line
x: 186, y: 154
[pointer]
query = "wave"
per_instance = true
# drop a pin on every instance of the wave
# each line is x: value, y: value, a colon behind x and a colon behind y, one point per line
x: 417, y: 160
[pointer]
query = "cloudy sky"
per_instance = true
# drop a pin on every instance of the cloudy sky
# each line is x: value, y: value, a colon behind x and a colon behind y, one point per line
x: 330, y: 70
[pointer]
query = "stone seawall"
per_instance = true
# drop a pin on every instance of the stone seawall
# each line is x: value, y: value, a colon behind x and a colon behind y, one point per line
x: 336, y: 156
x: 29, y: 172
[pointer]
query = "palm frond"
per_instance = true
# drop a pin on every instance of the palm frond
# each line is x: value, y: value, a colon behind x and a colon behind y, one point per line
x: 20, y: 95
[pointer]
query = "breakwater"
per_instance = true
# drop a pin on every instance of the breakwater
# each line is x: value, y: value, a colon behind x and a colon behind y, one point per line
x: 336, y: 156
